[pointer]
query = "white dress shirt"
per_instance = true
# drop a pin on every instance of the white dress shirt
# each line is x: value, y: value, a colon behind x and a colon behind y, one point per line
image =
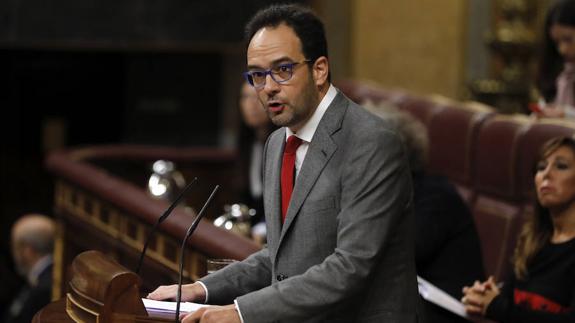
x: 308, y: 130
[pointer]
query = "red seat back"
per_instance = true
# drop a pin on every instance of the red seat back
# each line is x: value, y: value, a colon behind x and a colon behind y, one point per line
x: 497, y: 207
x: 452, y: 134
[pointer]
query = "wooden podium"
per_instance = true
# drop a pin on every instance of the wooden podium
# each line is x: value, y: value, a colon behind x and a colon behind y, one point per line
x: 100, y: 291
x: 100, y: 204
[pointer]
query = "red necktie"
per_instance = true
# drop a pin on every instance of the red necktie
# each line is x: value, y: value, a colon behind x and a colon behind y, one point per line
x: 288, y: 167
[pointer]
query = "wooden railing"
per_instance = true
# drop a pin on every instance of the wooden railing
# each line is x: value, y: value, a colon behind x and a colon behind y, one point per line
x: 101, y: 203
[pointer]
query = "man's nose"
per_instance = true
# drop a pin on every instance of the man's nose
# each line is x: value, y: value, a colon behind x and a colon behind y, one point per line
x: 271, y: 86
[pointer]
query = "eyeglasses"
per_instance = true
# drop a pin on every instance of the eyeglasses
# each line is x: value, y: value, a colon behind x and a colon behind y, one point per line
x: 280, y: 74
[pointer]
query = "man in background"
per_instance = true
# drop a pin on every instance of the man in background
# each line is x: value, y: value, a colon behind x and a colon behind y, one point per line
x: 32, y: 241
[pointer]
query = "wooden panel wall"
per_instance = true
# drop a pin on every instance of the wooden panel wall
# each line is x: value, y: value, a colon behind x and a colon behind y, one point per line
x: 419, y: 45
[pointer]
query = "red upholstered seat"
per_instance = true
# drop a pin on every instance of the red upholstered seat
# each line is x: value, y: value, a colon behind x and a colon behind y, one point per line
x: 498, y: 223
x: 422, y: 108
x: 362, y: 92
x: 452, y: 133
x: 497, y: 207
x: 496, y: 155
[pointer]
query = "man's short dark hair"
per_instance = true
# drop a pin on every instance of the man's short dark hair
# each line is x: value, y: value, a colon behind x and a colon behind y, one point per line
x: 306, y: 25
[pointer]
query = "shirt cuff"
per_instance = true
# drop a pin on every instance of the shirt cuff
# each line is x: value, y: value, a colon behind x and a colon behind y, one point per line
x: 205, y: 290
x: 238, y: 309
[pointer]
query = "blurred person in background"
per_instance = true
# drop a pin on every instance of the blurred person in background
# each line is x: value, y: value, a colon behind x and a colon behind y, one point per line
x: 9, y: 280
x: 555, y: 79
x: 32, y: 239
x: 255, y: 129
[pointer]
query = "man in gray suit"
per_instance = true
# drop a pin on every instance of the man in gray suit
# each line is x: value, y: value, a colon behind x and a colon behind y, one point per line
x: 341, y: 248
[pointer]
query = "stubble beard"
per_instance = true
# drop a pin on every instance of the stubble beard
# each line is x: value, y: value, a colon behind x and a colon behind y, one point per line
x: 299, y: 111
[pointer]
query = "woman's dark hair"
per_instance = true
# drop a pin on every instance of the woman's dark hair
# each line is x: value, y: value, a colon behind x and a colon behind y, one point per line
x: 306, y: 25
x: 551, y: 62
x: 538, y: 228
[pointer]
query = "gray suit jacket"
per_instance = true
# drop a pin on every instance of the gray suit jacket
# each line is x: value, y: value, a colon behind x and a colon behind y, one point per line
x: 345, y: 252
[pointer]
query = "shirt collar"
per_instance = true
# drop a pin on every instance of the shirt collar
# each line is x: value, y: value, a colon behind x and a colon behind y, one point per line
x: 38, y: 268
x: 307, y: 131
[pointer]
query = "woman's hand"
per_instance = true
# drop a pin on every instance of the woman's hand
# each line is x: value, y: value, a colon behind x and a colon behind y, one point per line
x: 190, y: 293
x: 551, y: 111
x: 478, y: 297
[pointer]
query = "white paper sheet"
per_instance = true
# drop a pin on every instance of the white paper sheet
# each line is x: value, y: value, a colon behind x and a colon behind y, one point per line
x: 163, y: 306
x: 437, y: 296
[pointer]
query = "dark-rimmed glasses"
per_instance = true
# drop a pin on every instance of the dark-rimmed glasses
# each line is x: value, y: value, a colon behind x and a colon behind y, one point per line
x: 280, y: 74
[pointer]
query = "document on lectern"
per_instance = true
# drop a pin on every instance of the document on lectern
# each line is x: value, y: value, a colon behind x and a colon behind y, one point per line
x: 163, y: 306
x: 433, y: 294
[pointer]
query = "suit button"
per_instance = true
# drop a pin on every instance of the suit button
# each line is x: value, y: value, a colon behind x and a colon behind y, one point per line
x: 281, y: 277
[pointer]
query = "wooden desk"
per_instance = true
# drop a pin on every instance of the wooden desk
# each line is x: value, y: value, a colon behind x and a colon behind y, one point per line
x: 101, y: 291
x: 53, y: 313
x: 56, y: 313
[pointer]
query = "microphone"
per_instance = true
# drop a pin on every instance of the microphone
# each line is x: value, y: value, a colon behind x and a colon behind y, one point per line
x: 191, y: 230
x: 161, y: 219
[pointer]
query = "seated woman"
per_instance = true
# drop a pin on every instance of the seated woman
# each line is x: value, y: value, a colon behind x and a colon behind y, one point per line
x: 542, y: 287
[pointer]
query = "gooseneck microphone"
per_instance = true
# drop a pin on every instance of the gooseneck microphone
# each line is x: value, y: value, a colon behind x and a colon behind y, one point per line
x: 161, y: 219
x: 188, y: 234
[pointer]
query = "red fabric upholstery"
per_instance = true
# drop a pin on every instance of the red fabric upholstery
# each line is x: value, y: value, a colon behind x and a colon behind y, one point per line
x: 497, y: 208
x: 496, y: 156
x: 452, y: 134
x: 497, y: 222
x: 421, y: 108
x: 362, y: 92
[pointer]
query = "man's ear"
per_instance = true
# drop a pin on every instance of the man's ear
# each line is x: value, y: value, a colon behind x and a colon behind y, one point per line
x: 320, y: 71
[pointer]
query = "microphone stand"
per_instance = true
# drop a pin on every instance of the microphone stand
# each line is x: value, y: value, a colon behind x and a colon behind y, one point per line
x: 191, y: 229
x: 160, y: 220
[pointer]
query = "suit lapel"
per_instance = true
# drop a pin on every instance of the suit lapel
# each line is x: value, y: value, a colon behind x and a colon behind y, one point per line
x: 319, y: 152
x: 273, y: 198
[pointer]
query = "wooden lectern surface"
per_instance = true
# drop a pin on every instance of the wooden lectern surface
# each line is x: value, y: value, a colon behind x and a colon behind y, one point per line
x: 53, y: 313
x: 100, y: 291
x: 56, y: 313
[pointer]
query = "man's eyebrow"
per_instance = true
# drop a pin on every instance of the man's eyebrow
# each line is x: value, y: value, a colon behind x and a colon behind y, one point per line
x: 275, y: 62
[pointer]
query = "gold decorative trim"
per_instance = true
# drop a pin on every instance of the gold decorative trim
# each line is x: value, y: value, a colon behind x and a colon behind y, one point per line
x: 71, y: 303
x: 121, y: 226
x: 58, y: 264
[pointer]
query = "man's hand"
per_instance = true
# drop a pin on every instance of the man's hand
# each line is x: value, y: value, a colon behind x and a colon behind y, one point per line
x: 213, y: 314
x: 190, y: 293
